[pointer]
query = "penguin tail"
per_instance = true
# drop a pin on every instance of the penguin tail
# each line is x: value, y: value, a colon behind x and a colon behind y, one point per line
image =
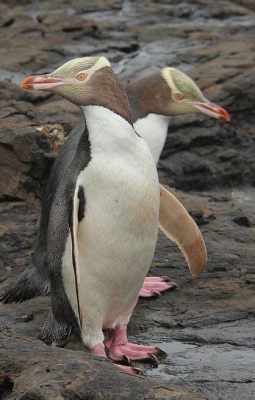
x: 28, y: 286
x: 55, y: 332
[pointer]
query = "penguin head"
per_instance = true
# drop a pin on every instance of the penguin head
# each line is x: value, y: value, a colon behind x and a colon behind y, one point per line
x: 187, y: 98
x: 76, y: 80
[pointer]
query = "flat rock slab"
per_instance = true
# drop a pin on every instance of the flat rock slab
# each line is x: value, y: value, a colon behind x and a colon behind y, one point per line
x: 32, y: 370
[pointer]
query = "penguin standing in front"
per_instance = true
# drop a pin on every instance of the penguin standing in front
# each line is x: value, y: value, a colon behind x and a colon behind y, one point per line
x: 103, y: 221
x: 154, y: 99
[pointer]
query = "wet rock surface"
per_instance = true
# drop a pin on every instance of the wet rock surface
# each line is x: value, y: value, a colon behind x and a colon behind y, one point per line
x: 207, y: 326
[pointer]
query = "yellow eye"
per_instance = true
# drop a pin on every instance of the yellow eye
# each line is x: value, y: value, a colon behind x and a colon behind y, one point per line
x: 81, y: 77
x: 178, y: 96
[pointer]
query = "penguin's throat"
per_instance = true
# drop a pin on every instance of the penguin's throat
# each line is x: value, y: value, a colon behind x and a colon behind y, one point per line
x: 107, y: 130
x: 106, y: 91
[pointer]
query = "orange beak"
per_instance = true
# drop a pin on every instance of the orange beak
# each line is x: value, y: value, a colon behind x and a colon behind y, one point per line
x: 212, y: 109
x: 42, y: 82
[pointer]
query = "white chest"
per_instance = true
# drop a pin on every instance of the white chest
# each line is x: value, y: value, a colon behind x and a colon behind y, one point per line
x: 118, y: 234
x: 120, y: 182
x: 153, y: 129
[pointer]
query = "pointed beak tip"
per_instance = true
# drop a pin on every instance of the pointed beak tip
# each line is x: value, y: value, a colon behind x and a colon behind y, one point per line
x: 220, y: 112
x: 42, y: 82
x: 225, y: 116
x: 213, y: 110
x: 27, y: 83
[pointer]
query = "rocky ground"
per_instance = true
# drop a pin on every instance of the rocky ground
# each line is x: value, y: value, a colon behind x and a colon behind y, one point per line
x: 207, y: 326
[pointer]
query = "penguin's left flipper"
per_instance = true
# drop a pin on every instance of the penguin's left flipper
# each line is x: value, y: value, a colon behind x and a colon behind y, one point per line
x: 179, y: 226
x: 62, y: 229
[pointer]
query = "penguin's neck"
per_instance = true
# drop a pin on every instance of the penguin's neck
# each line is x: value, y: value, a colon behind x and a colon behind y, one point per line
x: 108, y: 132
x: 153, y: 129
x: 107, y: 91
x: 150, y: 94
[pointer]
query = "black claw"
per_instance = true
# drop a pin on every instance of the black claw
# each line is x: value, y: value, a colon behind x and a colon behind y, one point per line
x: 137, y: 371
x: 165, y: 279
x: 160, y: 352
x: 125, y: 360
x: 153, y: 359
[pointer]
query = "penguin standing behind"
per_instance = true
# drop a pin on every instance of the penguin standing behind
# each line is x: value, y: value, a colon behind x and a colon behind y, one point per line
x: 103, y: 221
x: 154, y: 99
x: 161, y: 95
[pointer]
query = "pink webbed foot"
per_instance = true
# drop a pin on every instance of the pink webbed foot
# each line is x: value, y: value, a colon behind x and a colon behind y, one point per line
x: 154, y: 285
x: 99, y: 350
x: 121, y: 350
x: 130, y: 352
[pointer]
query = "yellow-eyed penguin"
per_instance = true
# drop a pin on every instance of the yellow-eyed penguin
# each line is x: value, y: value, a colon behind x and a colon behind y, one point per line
x: 154, y: 99
x: 103, y: 222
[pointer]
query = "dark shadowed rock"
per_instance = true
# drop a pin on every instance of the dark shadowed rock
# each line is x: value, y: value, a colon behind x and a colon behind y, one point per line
x: 41, y: 372
x: 25, y: 159
x: 204, y: 154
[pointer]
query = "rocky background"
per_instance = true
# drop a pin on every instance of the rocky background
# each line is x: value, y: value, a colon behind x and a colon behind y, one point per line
x: 207, y: 326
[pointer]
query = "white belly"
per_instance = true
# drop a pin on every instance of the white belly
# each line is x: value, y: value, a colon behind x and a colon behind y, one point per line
x: 117, y: 237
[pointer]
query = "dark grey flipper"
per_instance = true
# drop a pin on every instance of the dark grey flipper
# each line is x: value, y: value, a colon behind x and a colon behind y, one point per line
x: 29, y: 285
x: 59, y: 228
x: 35, y: 281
